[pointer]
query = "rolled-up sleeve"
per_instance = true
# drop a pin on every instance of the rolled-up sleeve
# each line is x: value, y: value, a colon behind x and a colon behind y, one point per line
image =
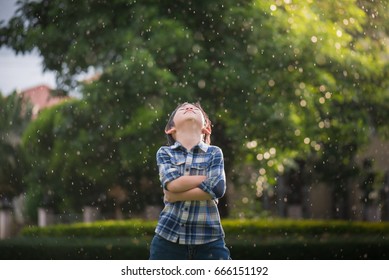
x: 215, y: 184
x: 167, y: 171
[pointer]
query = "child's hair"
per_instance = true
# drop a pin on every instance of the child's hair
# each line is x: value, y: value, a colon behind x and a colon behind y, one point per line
x: 170, y: 124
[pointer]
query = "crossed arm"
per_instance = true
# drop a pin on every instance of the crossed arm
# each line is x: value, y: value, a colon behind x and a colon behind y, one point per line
x: 178, y: 187
x: 186, y: 188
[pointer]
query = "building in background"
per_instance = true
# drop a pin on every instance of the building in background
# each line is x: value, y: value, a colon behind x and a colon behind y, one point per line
x: 42, y: 96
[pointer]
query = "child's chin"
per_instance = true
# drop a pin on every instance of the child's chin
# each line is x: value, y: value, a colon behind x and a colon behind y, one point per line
x: 191, y: 117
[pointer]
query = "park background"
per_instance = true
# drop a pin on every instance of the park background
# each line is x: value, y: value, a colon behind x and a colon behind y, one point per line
x: 297, y: 92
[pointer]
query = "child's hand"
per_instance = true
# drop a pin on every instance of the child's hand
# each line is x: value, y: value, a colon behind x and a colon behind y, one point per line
x: 169, y: 196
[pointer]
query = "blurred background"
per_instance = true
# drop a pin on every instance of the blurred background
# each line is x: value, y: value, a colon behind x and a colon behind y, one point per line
x: 298, y: 93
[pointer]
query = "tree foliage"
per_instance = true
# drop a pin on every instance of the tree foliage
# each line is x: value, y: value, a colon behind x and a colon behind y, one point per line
x: 14, y: 117
x: 281, y: 80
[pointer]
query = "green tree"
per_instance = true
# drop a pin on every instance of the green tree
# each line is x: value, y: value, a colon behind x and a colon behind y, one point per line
x: 14, y: 116
x: 282, y: 80
x: 75, y: 161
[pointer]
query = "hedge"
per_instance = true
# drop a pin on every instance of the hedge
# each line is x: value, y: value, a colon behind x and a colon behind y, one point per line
x: 111, y: 228
x: 264, y: 228
x: 246, y: 239
x: 47, y: 248
x: 51, y: 248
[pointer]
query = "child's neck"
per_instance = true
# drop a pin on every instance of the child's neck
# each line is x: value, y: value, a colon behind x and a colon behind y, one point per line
x: 188, y: 136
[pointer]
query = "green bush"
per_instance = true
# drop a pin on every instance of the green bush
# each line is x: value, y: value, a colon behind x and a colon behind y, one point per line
x: 246, y: 239
x: 280, y: 227
x: 62, y: 248
x: 112, y: 228
x: 334, y: 249
x: 261, y: 228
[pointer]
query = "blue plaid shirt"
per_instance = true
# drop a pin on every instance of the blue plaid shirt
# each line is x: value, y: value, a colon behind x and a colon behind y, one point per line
x: 192, y: 222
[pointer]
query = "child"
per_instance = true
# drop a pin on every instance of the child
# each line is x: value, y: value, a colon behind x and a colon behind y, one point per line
x: 192, y: 175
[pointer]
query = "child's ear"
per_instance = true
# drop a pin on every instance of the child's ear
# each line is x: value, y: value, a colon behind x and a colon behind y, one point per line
x: 206, y: 130
x: 170, y: 131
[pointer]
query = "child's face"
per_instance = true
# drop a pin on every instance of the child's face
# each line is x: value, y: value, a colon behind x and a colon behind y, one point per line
x: 189, y: 112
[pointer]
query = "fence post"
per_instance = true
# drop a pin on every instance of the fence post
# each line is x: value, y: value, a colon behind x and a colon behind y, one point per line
x: 90, y: 214
x: 5, y: 223
x: 45, y: 217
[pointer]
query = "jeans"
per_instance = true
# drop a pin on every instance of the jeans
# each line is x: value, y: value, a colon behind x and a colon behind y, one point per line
x: 162, y: 249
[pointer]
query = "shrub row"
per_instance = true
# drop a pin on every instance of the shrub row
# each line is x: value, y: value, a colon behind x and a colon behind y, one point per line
x: 52, y: 248
x: 43, y: 248
x: 247, y: 239
x: 112, y: 228
x: 260, y: 228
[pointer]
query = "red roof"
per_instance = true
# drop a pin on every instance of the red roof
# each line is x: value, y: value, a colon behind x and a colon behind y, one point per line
x: 40, y: 97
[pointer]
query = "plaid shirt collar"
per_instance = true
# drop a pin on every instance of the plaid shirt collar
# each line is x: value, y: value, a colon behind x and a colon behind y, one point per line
x: 201, y: 145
